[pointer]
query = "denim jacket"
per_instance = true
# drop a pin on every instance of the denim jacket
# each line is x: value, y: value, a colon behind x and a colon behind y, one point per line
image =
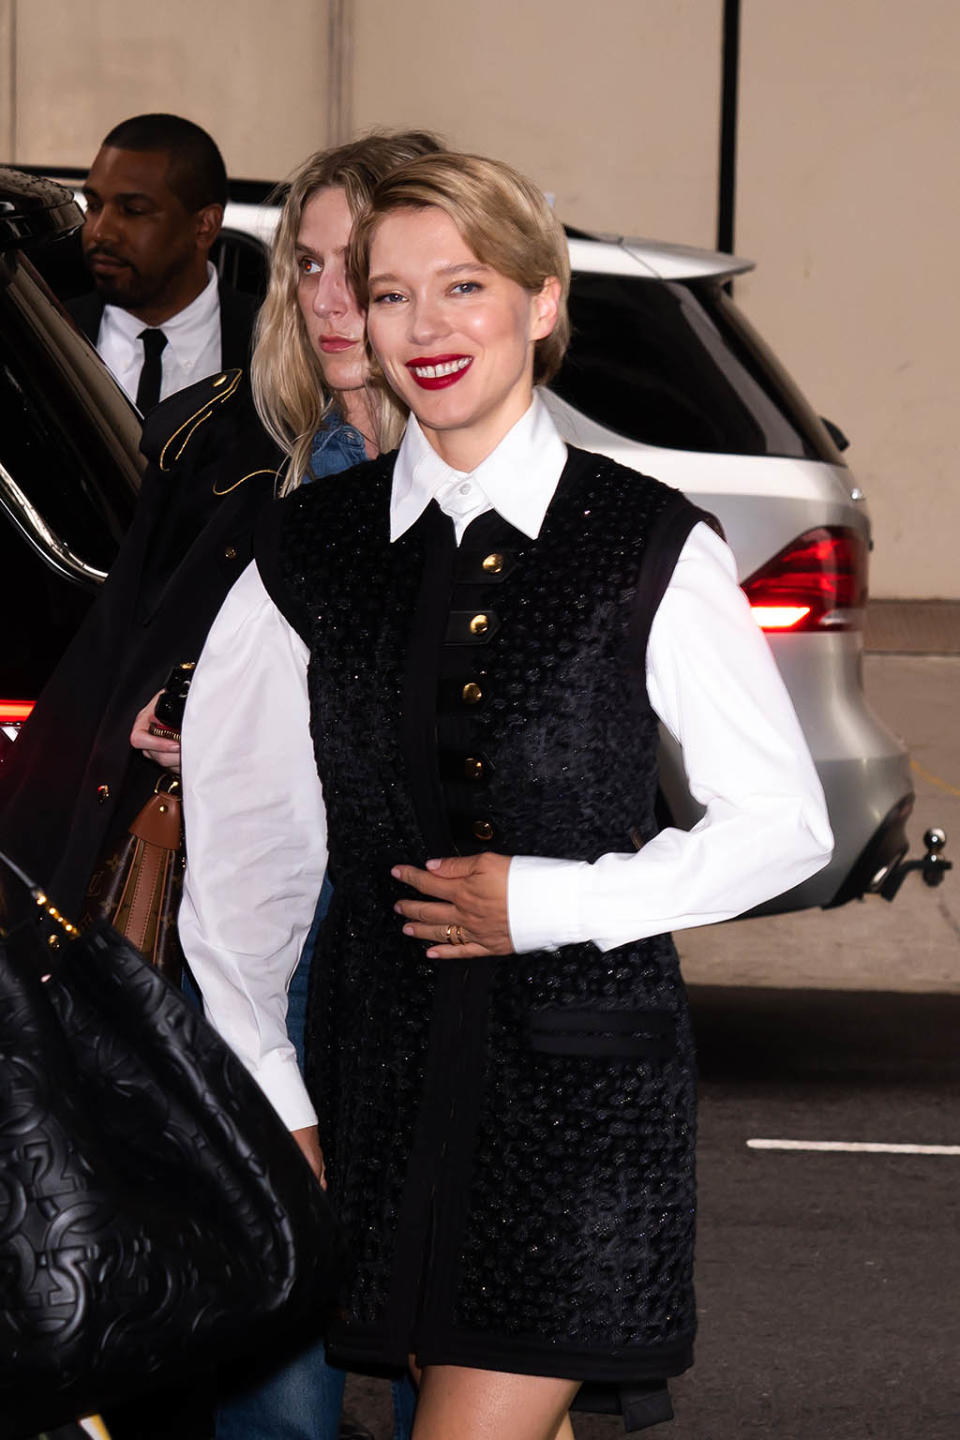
x: 336, y: 446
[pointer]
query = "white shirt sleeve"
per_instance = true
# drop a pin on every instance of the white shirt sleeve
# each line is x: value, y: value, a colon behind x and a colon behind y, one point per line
x: 713, y: 682
x: 256, y: 834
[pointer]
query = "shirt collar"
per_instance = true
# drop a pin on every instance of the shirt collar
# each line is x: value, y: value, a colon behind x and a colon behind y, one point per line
x: 182, y: 329
x: 517, y: 479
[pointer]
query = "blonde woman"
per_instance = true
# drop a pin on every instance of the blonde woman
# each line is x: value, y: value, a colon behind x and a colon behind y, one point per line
x: 472, y: 643
x: 310, y: 372
x: 312, y: 388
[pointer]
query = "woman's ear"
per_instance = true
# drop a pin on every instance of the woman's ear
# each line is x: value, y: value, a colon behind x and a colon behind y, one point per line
x: 545, y: 308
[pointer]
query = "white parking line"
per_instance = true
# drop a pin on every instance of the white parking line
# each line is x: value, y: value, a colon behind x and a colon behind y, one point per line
x: 870, y: 1147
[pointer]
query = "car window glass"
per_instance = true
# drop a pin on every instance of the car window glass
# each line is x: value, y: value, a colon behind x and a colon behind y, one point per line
x: 241, y: 262
x: 676, y: 365
x: 66, y: 432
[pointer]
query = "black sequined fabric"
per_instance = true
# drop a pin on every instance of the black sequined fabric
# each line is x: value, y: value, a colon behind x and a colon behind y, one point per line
x: 510, y: 1141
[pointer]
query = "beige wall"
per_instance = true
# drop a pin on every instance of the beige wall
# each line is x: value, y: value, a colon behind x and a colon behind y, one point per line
x: 847, y: 190
x: 253, y: 74
x: 849, y: 197
x: 611, y: 106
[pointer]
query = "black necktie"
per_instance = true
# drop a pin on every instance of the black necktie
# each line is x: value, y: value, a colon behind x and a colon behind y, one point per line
x: 148, y: 390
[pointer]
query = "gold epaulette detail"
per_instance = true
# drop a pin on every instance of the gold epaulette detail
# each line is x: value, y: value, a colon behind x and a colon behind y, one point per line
x: 265, y: 471
x: 181, y: 436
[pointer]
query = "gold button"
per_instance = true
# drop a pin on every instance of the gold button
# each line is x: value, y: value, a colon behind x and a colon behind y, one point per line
x: 473, y: 768
x: 483, y: 829
x: 220, y: 380
x: 471, y: 694
x: 493, y: 564
x: 479, y: 625
x: 103, y: 794
x: 231, y: 552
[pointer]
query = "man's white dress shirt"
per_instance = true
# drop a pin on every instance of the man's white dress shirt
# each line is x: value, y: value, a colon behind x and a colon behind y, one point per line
x: 192, y: 349
x: 255, y: 818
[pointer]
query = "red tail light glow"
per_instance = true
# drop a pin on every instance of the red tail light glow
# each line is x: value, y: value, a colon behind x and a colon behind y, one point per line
x: 817, y: 582
x: 14, y: 712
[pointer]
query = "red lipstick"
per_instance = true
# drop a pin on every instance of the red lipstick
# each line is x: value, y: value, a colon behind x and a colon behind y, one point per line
x: 439, y: 372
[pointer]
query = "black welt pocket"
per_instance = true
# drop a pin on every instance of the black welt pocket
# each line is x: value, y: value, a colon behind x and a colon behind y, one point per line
x: 637, y: 1034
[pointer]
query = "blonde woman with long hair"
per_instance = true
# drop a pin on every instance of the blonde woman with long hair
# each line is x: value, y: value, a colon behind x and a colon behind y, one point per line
x: 310, y: 371
x: 315, y: 398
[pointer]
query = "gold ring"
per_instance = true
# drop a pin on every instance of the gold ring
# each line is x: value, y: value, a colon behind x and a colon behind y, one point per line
x: 460, y: 939
x: 450, y: 940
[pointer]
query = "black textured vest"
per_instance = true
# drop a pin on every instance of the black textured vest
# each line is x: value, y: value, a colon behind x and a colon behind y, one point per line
x: 510, y: 1140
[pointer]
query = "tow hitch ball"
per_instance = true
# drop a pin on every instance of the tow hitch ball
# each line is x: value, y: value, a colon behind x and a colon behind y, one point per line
x: 932, y: 867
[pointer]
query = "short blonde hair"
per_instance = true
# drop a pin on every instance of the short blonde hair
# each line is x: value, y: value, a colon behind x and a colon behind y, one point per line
x: 501, y: 215
x: 288, y: 387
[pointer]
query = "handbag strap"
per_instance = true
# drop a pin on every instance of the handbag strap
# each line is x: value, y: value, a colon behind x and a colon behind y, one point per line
x: 38, y: 896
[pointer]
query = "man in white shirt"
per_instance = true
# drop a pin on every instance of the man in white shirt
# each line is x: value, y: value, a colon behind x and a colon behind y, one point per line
x: 155, y: 198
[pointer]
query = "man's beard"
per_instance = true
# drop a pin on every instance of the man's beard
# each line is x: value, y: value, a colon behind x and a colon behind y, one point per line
x: 124, y: 287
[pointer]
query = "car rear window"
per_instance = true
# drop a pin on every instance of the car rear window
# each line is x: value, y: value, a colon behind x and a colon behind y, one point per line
x: 677, y: 365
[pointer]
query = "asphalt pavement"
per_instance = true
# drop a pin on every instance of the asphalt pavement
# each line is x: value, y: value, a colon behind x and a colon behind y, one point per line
x: 828, y: 1279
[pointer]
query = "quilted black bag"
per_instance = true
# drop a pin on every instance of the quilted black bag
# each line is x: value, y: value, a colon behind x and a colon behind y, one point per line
x: 155, y: 1215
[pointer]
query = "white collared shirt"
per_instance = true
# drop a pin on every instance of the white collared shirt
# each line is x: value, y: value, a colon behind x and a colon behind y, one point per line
x: 192, y: 349
x: 256, y: 821
x: 532, y: 450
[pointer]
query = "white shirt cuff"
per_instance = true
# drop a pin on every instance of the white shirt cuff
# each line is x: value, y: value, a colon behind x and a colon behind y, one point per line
x: 278, y: 1076
x: 543, y: 902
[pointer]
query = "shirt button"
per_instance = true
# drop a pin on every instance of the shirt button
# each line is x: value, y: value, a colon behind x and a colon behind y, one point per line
x: 479, y: 625
x: 466, y: 489
x: 473, y: 768
x: 483, y: 829
x: 471, y: 694
x: 230, y: 553
x: 493, y: 564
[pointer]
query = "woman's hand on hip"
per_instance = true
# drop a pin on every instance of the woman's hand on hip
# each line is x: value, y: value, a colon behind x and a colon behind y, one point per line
x: 464, y: 910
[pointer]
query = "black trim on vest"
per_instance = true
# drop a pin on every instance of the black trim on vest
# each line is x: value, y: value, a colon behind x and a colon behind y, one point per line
x: 668, y: 536
x: 266, y: 554
x: 418, y: 738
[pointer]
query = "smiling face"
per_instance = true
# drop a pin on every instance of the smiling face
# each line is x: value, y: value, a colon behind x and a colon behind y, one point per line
x: 146, y: 251
x: 455, y: 338
x: 334, y: 324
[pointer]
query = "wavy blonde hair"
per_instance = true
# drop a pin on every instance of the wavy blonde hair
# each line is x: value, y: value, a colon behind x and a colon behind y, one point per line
x: 501, y: 215
x: 291, y: 397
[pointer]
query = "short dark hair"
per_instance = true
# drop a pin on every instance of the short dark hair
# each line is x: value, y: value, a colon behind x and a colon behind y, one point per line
x: 197, y: 173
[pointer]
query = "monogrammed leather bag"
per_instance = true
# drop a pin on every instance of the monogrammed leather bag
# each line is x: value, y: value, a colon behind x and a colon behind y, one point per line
x: 155, y: 1215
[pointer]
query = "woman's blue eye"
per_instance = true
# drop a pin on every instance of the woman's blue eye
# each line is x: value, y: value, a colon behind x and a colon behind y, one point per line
x: 308, y: 266
x: 388, y: 297
x: 467, y: 287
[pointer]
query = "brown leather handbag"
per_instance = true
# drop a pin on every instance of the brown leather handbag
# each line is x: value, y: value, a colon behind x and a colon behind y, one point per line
x: 137, y: 887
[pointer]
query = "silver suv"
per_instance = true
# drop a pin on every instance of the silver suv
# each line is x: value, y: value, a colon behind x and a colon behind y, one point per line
x: 667, y: 376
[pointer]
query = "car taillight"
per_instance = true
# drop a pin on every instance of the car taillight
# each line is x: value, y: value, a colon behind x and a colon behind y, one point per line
x: 817, y: 582
x: 12, y: 715
x: 14, y: 712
